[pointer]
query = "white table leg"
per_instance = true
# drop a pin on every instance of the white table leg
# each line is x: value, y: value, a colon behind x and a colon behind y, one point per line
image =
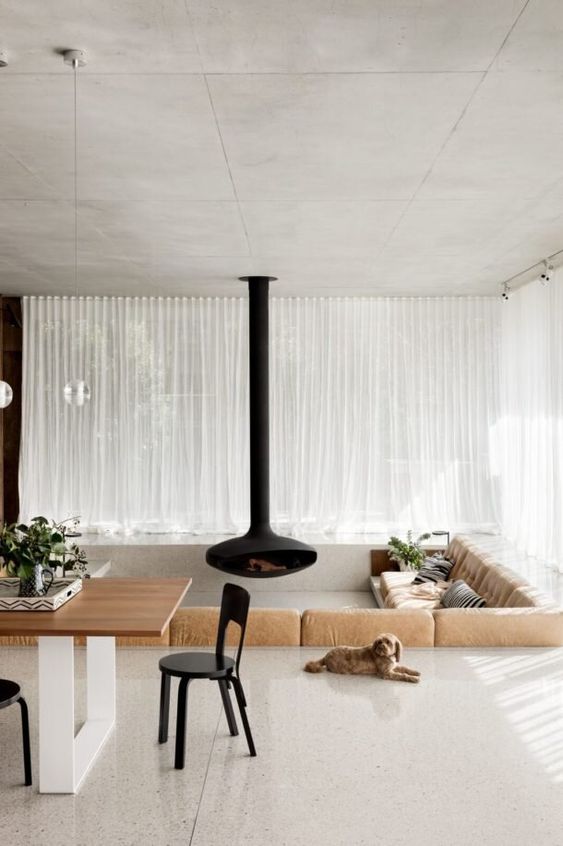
x: 56, y: 715
x: 100, y: 704
x: 65, y: 759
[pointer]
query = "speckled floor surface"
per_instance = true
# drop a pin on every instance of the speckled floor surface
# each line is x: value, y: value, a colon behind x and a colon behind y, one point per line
x: 474, y: 754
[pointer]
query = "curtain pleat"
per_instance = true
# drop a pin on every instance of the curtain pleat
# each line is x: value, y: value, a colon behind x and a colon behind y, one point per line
x: 529, y: 434
x: 381, y: 413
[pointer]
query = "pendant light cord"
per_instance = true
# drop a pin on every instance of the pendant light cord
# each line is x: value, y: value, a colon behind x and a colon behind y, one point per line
x: 76, y: 391
x: 75, y: 69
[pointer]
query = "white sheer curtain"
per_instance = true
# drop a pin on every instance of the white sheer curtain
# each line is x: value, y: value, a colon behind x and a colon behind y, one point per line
x: 530, y: 430
x: 162, y: 444
x: 380, y: 419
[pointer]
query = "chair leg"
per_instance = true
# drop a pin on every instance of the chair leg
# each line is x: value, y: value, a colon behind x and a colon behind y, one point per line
x: 180, y: 756
x: 26, y: 743
x: 229, y: 713
x: 243, y: 693
x: 242, y: 708
x: 164, y: 708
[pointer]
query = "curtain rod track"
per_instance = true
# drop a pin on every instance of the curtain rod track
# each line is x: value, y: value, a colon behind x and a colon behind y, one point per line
x: 528, y: 270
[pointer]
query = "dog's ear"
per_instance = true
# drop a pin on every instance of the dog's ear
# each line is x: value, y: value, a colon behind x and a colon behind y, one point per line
x: 398, y: 649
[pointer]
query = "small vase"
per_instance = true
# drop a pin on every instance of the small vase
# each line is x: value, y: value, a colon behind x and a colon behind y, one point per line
x: 37, y: 584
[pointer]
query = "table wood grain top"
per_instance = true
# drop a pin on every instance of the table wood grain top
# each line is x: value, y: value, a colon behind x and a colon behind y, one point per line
x: 105, y: 607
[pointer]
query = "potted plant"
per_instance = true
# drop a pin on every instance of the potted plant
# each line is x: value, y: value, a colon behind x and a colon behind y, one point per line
x: 33, y: 551
x: 408, y: 554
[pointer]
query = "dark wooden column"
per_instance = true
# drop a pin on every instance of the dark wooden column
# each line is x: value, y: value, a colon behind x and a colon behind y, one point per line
x: 11, y: 339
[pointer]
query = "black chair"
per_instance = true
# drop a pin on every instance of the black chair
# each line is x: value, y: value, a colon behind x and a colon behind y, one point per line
x: 9, y: 694
x: 206, y: 665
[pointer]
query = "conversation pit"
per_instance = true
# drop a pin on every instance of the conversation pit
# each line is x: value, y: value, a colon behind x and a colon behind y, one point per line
x: 516, y: 614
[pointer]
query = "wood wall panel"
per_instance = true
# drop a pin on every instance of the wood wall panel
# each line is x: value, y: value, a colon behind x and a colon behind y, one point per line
x: 10, y: 417
x: 381, y: 563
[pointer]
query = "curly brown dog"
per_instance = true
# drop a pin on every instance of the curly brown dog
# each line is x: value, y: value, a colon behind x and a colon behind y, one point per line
x: 380, y: 659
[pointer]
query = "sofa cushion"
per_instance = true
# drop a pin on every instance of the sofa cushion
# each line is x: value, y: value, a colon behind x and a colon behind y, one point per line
x: 197, y: 626
x: 498, y: 627
x: 435, y: 569
x: 360, y: 626
x: 498, y: 585
x: 470, y: 564
x: 460, y: 595
x: 482, y: 573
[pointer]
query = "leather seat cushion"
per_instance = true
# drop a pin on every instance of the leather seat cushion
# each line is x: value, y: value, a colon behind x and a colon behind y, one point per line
x: 360, y: 626
x: 265, y: 627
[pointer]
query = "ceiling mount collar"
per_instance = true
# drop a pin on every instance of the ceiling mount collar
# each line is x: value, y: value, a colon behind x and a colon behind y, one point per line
x: 74, y: 58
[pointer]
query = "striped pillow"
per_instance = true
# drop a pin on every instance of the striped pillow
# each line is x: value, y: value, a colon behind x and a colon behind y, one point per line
x: 460, y: 595
x: 435, y: 569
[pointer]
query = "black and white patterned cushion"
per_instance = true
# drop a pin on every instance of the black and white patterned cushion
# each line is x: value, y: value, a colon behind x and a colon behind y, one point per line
x: 435, y: 569
x: 460, y: 595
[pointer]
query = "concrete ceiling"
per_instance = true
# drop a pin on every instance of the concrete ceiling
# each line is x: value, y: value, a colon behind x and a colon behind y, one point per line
x: 356, y: 147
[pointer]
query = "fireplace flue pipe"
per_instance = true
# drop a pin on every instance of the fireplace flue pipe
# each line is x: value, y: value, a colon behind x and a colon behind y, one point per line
x: 259, y: 395
x: 260, y: 553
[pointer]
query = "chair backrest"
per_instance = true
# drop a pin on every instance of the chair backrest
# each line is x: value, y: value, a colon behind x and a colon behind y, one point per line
x: 234, y: 606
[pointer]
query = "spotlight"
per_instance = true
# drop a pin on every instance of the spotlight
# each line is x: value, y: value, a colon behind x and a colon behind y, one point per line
x: 545, y: 275
x: 505, y: 292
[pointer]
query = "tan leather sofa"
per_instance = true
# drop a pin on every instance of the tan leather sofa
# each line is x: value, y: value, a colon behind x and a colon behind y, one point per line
x: 516, y: 614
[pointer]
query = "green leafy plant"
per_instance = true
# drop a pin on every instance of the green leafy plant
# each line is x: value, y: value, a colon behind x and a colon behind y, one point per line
x: 23, y: 545
x: 409, y: 553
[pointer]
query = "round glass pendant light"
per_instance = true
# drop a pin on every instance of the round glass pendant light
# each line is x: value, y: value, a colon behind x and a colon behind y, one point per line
x: 76, y: 392
x: 6, y: 395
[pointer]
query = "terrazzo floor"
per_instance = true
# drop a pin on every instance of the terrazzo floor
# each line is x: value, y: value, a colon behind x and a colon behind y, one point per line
x: 474, y: 754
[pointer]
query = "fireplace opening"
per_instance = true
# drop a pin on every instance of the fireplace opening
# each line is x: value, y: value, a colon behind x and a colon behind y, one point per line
x: 260, y: 553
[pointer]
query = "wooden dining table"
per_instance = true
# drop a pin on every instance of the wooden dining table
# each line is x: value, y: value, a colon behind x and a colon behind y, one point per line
x: 103, y: 610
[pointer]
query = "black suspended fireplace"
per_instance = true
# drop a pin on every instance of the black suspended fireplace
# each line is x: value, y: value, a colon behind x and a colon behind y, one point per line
x: 260, y: 553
